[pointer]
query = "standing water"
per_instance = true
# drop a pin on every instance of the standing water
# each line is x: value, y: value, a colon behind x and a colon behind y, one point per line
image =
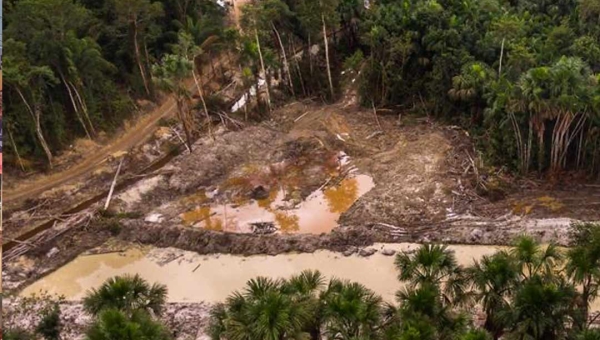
x: 211, y: 278
x: 317, y: 214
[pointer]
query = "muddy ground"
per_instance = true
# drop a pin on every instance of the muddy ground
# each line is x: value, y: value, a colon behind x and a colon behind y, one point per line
x: 429, y: 186
x: 22, y: 216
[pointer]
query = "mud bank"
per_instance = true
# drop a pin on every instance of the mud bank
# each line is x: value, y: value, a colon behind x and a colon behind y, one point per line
x: 456, y: 230
x: 204, y: 241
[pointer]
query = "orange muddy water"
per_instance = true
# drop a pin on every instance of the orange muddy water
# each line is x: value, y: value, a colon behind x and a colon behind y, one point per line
x: 318, y: 213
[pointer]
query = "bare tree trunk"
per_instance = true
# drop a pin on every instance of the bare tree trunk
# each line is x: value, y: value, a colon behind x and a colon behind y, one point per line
x: 529, y: 144
x: 310, y: 56
x: 295, y: 59
x: 112, y: 185
x: 146, y: 65
x: 75, y: 107
x: 138, y: 58
x: 578, y: 130
x: 501, y: 55
x: 262, y: 66
x: 519, y: 141
x: 257, y: 93
x: 84, y: 109
x: 14, y: 145
x: 580, y: 149
x: 301, y: 79
x: 201, y: 93
x: 327, y: 56
x: 184, y: 122
x: 38, y: 130
x: 286, y: 65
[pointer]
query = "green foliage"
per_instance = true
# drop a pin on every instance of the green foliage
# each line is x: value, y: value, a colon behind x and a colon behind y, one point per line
x: 590, y: 334
x: 516, y: 69
x: 127, y: 294
x: 81, y: 65
x: 44, y: 311
x: 354, y: 61
x: 476, y: 335
x: 16, y: 334
x: 50, y: 325
x: 115, y: 324
x: 122, y: 307
x: 525, y: 294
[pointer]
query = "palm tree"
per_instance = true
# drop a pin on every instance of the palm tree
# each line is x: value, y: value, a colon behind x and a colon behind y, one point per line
x: 114, y: 324
x: 542, y: 309
x: 127, y: 294
x: 533, y: 260
x: 187, y: 49
x: 583, y: 266
x: 470, y: 84
x: 350, y: 310
x: 424, y: 309
x: 170, y: 76
x: 436, y: 265
x: 262, y: 311
x: 494, y: 278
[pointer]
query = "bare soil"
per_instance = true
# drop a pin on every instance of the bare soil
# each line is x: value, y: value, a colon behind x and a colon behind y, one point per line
x: 430, y: 186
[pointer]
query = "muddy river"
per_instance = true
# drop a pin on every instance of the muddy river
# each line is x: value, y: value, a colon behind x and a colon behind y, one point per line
x: 191, y: 277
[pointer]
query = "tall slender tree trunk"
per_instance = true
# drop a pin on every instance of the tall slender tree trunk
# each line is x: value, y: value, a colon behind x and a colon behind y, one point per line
x: 297, y: 64
x: 501, y: 56
x: 201, y: 93
x: 262, y: 66
x: 15, y: 148
x: 84, y: 109
x: 35, y: 115
x: 519, y: 140
x: 310, y: 56
x: 327, y: 56
x: 529, y: 144
x: 286, y: 65
x: 541, y: 150
x: 146, y: 65
x: 184, y: 122
x: 138, y: 58
x: 38, y: 130
x: 75, y: 107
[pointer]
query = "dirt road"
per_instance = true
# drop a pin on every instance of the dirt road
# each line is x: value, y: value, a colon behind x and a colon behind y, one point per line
x: 143, y: 129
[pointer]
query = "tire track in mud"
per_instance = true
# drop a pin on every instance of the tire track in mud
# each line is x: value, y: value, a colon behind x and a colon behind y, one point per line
x: 120, y: 186
x: 141, y: 132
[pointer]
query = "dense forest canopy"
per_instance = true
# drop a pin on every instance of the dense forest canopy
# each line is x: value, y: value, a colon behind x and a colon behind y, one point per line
x: 522, y: 75
x: 75, y: 68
